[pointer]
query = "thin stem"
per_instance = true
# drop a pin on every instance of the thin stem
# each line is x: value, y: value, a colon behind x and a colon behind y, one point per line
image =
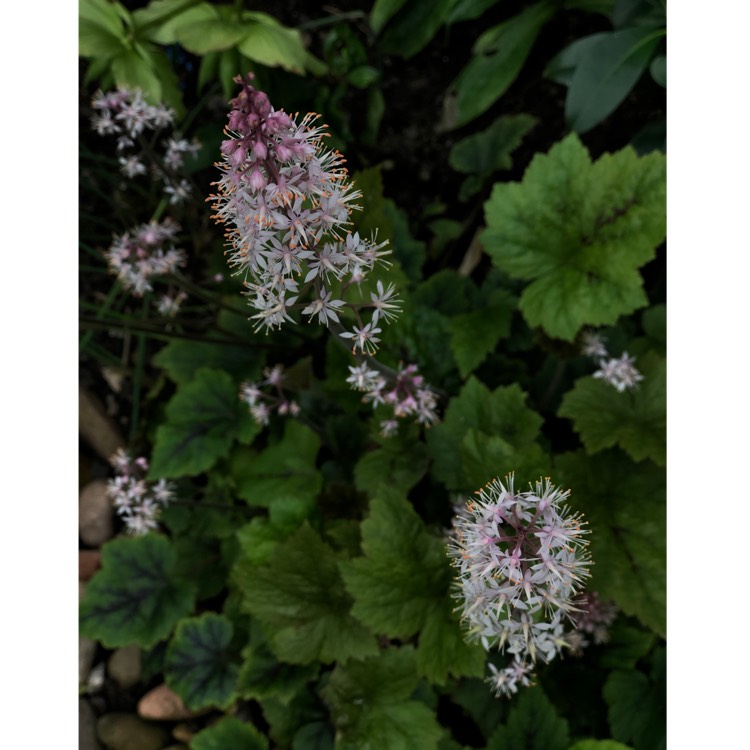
x: 140, y: 361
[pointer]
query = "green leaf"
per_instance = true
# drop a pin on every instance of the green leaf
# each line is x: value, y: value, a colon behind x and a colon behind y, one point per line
x: 414, y: 26
x: 468, y: 10
x: 533, y: 724
x: 135, y: 597
x: 262, y: 675
x: 634, y: 420
x: 209, y: 35
x: 371, y: 707
x: 363, y: 76
x: 563, y: 65
x: 382, y: 10
x: 500, y: 415
x: 658, y: 70
x: 625, y: 506
x: 204, y: 418
x: 599, y: 745
x: 299, y: 597
x: 97, y: 41
x: 199, y: 667
x: 284, y: 470
x: 229, y: 733
x: 606, y: 74
x: 132, y: 70
x: 317, y: 735
x: 270, y: 43
x: 182, y: 358
x: 474, y: 335
x: 579, y: 232
x: 161, y: 20
x: 490, y: 149
x: 399, y: 463
x: 104, y: 14
x: 402, y: 586
x: 637, y: 706
x: 499, y: 55
x: 626, y: 646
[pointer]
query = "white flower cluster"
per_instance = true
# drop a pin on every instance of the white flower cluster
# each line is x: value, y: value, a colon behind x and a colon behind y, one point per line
x: 143, y: 253
x: 406, y: 395
x: 262, y: 403
x: 521, y: 559
x: 126, y: 114
x: 620, y: 372
x: 137, y: 501
x: 285, y: 202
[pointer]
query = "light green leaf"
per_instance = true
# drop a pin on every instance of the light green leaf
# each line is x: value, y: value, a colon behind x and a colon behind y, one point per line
x: 105, y: 14
x: 371, y: 707
x: 500, y: 415
x: 490, y: 149
x: 161, y: 20
x: 579, y: 231
x: 533, y: 724
x: 229, y: 733
x: 606, y: 74
x: 625, y: 506
x: 132, y: 70
x: 634, y: 420
x: 199, y: 667
x: 299, y: 597
x: 283, y: 470
x: 499, y: 55
x: 402, y: 586
x: 135, y: 597
x: 204, y: 418
x: 209, y: 35
x: 97, y: 41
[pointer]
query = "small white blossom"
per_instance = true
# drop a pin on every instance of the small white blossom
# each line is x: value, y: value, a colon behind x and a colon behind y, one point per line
x: 619, y: 373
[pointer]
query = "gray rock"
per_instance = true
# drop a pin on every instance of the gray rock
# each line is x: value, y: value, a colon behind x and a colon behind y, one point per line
x: 124, y: 666
x: 86, y: 652
x: 95, y: 524
x: 129, y: 732
x: 87, y: 727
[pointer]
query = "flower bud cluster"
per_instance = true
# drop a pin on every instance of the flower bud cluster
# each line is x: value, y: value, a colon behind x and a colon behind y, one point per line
x: 521, y: 558
x: 286, y: 202
x: 592, y: 617
x: 620, y: 372
x: 137, y: 501
x: 405, y: 395
x: 140, y: 254
x: 125, y: 114
x: 264, y: 403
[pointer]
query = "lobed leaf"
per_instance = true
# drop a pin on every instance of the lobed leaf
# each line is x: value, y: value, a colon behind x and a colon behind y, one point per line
x: 229, y: 733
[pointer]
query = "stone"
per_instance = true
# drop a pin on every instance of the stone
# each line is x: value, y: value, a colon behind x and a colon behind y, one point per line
x: 124, y: 666
x: 120, y: 731
x: 96, y: 427
x: 183, y: 733
x: 95, y: 525
x: 163, y: 704
x: 87, y: 726
x: 89, y: 561
x: 86, y: 653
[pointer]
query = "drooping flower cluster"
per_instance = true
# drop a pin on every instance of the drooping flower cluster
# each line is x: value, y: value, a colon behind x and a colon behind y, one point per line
x: 125, y: 114
x: 137, y: 501
x: 264, y: 403
x: 405, y: 395
x: 620, y: 372
x: 139, y: 255
x: 286, y: 203
x: 521, y: 558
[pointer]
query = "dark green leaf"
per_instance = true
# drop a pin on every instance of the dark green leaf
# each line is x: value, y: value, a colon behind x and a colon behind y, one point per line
x: 414, y: 26
x: 490, y: 149
x: 626, y: 645
x: 599, y: 745
x: 199, y: 667
x: 371, y: 707
x: 135, y: 597
x: 658, y: 69
x: 299, y: 597
x: 262, y: 675
x: 382, y: 10
x: 634, y: 420
x: 204, y: 418
x: 468, y: 10
x: 533, y: 724
x: 499, y: 55
x: 229, y: 733
x: 606, y: 74
x: 316, y: 735
x: 399, y: 463
x: 579, y: 231
x: 564, y: 64
x: 625, y: 506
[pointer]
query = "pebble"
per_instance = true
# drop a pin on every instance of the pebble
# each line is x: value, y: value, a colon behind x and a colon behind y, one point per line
x: 163, y: 704
x: 95, y: 525
x: 183, y: 733
x: 128, y: 732
x: 96, y: 427
x: 124, y: 666
x: 87, y: 726
x: 86, y: 653
x: 89, y: 561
